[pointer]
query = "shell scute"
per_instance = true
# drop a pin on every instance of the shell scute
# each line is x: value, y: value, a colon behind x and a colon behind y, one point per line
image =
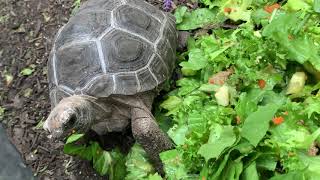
x: 137, y: 21
x: 112, y: 47
x: 125, y: 52
x: 73, y: 67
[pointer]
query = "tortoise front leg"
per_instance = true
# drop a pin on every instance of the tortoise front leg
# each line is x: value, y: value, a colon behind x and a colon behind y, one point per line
x: 148, y: 134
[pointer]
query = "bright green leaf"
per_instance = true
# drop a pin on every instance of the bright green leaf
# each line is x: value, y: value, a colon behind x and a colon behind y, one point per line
x: 257, y: 124
x: 316, y: 6
x: 221, y: 137
x: 138, y: 166
x: 74, y: 137
x: 197, y: 18
x: 77, y: 150
x: 103, y: 163
x: 196, y: 122
x: 267, y: 161
x: 299, y: 46
x: 248, y: 102
x: 27, y: 71
x: 312, y: 105
x: 296, y: 5
x: 155, y: 176
x: 173, y: 165
x: 239, y: 10
x: 187, y: 86
x: 290, y: 176
x: 188, y: 72
x: 196, y: 61
x: 233, y: 170
x: 118, y: 169
x: 178, y: 134
x: 250, y: 173
x: 171, y: 104
x: 179, y: 13
x: 209, y: 87
x: 312, y: 163
x: 221, y: 166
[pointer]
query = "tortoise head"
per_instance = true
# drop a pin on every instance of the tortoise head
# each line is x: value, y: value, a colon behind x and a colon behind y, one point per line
x: 71, y: 114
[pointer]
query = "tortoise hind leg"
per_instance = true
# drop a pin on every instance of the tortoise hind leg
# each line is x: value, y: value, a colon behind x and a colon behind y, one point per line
x: 148, y: 134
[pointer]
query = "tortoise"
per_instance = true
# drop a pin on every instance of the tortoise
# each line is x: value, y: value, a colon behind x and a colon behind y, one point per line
x: 105, y: 68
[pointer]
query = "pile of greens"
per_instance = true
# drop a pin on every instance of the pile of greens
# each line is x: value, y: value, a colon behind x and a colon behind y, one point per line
x: 247, y: 105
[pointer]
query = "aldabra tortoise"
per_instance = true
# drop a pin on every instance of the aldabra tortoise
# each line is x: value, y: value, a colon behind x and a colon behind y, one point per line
x: 106, y: 66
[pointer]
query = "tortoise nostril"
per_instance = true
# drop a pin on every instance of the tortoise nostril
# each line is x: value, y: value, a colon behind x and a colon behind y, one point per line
x: 71, y: 121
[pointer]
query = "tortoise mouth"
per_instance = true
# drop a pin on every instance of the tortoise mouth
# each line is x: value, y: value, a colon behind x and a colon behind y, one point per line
x: 70, y: 122
x: 62, y: 125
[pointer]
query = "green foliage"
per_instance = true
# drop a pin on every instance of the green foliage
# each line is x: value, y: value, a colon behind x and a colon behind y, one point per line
x: 138, y: 166
x: 257, y: 124
x: 262, y: 132
x: 173, y: 164
x: 312, y: 105
x: 261, y: 127
x: 104, y: 162
x: 28, y: 71
x: 73, y: 138
x: 316, y: 6
x: 221, y: 137
x: 298, y: 44
x: 76, y: 5
x: 195, y: 19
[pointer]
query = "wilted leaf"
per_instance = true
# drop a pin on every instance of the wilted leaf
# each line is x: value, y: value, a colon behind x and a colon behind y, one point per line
x: 8, y: 78
x: 40, y: 124
x: 27, y: 92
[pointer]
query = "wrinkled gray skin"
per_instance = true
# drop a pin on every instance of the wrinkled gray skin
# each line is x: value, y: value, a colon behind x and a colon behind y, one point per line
x: 106, y: 66
x: 111, y: 114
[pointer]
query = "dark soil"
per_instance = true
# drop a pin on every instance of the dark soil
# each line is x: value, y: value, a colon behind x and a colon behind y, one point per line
x: 27, y: 30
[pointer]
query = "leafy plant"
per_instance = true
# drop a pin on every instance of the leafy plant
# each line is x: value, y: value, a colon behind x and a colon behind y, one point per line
x: 104, y: 162
x: 260, y: 126
x: 28, y: 71
x: 255, y: 129
x: 76, y: 5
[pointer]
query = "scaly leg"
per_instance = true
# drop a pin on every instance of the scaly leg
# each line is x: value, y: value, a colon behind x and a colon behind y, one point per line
x: 148, y: 134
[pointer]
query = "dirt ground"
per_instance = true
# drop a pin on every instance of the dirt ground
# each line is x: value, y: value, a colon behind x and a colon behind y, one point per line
x: 27, y: 30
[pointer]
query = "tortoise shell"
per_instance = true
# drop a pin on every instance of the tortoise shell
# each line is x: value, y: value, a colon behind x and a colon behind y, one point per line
x: 112, y: 47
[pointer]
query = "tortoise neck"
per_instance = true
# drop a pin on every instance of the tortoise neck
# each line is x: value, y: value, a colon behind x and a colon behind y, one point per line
x: 99, y: 108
